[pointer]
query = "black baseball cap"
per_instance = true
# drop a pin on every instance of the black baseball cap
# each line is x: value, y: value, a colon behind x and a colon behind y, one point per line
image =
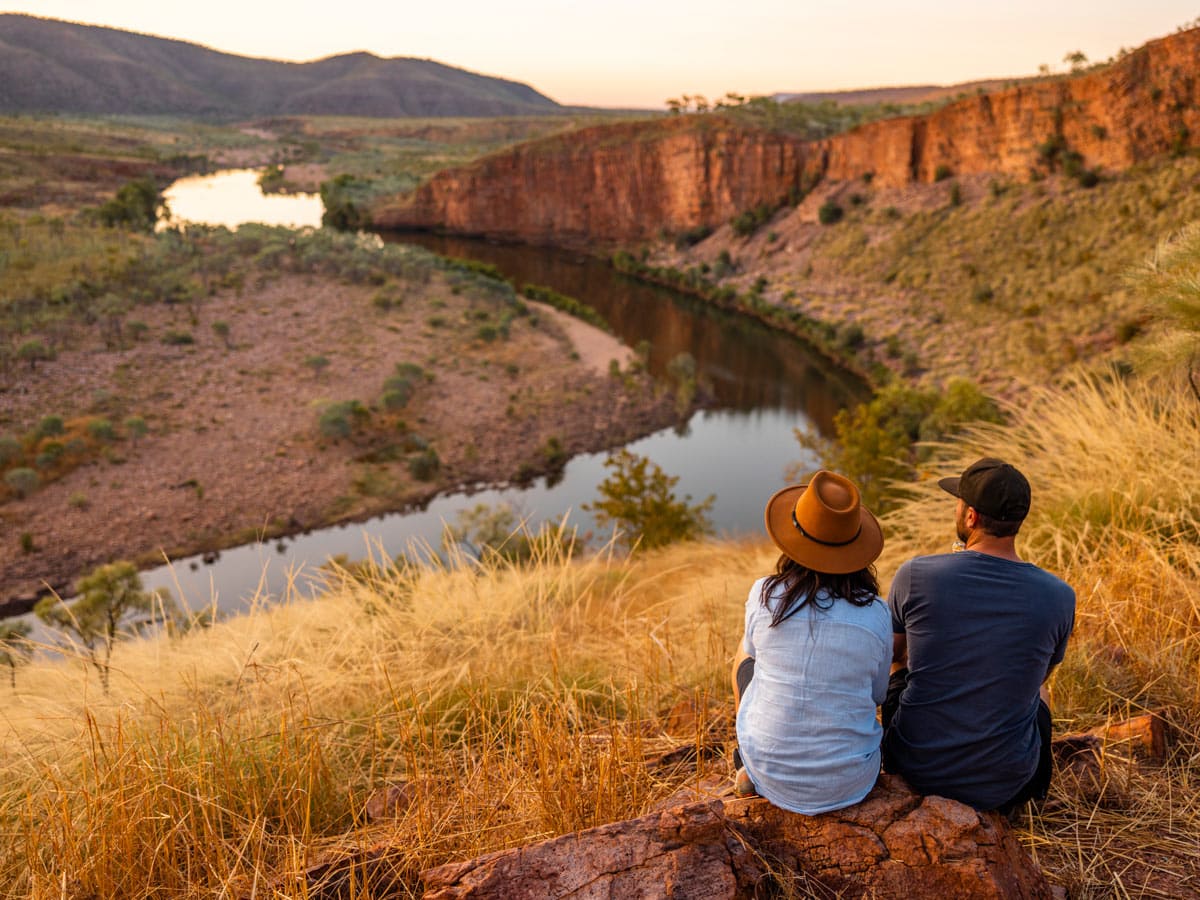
x: 992, y: 487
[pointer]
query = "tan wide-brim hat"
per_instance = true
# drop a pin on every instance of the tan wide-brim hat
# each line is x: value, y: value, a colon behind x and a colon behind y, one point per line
x: 823, y: 525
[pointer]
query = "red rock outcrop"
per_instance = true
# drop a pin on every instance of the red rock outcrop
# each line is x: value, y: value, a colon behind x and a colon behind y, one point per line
x: 895, y: 844
x: 627, y: 182
x: 609, y: 183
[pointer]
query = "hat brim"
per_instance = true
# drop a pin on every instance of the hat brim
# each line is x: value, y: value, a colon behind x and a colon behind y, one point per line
x: 852, y: 557
x: 950, y: 485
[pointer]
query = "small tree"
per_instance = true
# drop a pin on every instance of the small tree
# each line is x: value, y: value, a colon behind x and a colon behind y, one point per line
x: 22, y: 481
x: 34, y: 352
x: 136, y: 428
x: 637, y: 497
x: 221, y: 330
x: 107, y: 597
x: 14, y: 646
x: 137, y: 206
x: 318, y: 362
x: 1077, y: 60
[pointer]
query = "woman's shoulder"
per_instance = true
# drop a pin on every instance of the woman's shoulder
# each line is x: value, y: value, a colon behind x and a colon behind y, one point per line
x: 874, y: 613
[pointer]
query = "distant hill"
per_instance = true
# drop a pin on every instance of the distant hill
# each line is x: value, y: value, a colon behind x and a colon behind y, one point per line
x: 52, y: 66
x: 901, y: 96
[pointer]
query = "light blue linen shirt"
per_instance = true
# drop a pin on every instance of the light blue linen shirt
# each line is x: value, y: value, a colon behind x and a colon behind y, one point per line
x: 806, y: 726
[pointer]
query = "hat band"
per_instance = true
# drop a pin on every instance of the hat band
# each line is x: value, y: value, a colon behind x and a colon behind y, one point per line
x: 817, y: 540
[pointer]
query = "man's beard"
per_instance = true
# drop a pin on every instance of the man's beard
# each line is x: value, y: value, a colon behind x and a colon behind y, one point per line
x: 960, y: 524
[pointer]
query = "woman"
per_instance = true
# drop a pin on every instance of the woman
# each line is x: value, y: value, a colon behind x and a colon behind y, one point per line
x: 816, y: 653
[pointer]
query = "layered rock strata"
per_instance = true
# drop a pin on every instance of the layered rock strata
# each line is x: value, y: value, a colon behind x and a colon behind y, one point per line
x: 628, y: 182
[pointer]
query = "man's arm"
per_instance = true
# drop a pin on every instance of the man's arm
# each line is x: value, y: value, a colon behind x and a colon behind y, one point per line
x: 896, y: 597
x: 899, y: 652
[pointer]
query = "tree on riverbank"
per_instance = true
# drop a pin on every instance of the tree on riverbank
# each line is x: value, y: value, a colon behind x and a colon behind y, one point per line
x: 108, y: 597
x: 638, y: 499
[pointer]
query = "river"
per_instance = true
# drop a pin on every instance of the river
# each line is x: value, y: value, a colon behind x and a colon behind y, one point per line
x: 764, y: 386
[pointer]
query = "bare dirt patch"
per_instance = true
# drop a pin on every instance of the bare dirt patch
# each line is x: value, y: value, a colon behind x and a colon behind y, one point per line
x: 234, y: 446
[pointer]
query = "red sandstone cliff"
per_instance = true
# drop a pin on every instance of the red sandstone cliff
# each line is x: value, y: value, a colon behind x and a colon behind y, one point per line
x: 628, y: 182
x: 608, y: 183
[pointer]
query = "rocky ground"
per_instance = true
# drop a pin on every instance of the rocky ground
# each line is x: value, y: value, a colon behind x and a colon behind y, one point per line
x: 234, y: 449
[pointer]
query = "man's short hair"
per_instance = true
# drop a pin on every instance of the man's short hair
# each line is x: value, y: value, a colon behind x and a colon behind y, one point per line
x: 998, y: 527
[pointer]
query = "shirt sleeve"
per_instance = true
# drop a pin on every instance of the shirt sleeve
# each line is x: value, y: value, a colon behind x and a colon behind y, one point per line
x: 753, y: 604
x: 898, y: 596
x: 879, y: 684
x: 1060, y: 649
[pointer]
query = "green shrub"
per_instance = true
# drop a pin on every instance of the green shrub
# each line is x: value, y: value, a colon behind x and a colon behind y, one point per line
x: 566, y: 304
x: 33, y: 352
x: 27, y: 543
x: 941, y: 172
x: 345, y: 198
x: 876, y: 442
x: 178, y: 338
x: 49, y: 455
x: 746, y: 223
x: 387, y: 299
x: 50, y: 426
x: 136, y: 206
x: 830, y: 212
x: 692, y: 236
x: 101, y: 430
x: 135, y: 427
x: 851, y: 336
x: 555, y: 453
x: 638, y: 498
x: 956, y: 197
x: 318, y: 362
x: 342, y: 419
x: 396, y: 398
x: 22, y: 481
x: 425, y: 465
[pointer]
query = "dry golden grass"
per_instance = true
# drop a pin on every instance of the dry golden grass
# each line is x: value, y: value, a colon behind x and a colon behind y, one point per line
x: 515, y: 704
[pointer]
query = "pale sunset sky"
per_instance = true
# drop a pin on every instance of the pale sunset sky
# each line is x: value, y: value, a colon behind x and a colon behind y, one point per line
x: 637, y: 53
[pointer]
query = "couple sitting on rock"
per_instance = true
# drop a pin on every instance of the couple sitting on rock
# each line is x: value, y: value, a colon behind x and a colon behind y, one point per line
x: 960, y: 672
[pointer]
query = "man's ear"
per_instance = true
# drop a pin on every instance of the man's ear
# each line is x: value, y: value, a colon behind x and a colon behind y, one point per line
x: 971, y: 518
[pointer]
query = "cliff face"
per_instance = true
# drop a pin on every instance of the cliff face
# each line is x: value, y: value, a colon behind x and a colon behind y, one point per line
x: 608, y: 183
x: 629, y: 182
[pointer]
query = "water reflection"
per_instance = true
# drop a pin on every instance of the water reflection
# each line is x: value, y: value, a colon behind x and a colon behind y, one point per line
x: 232, y: 198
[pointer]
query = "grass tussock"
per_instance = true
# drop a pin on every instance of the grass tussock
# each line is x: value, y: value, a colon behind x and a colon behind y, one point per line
x: 504, y: 704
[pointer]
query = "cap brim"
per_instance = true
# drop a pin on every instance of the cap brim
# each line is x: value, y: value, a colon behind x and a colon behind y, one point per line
x: 851, y: 557
x: 950, y: 485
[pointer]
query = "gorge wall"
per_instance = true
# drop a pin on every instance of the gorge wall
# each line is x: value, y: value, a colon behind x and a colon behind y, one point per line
x: 628, y: 182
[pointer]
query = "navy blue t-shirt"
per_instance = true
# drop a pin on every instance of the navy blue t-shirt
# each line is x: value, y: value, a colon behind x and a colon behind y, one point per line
x: 983, y: 632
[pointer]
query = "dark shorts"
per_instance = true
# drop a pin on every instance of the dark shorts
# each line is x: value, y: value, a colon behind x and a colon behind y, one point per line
x: 1034, y: 789
x: 745, y: 672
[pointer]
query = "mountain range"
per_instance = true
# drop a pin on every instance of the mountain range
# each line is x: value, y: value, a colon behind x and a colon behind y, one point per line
x: 48, y: 65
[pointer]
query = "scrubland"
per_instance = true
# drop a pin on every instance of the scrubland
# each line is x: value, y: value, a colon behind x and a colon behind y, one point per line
x: 504, y: 703
x: 514, y: 702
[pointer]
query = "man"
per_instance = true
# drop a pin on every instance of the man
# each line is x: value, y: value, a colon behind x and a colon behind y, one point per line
x: 975, y: 636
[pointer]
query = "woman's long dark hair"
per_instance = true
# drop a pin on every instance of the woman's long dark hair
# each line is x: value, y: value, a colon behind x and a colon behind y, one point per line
x: 801, y: 585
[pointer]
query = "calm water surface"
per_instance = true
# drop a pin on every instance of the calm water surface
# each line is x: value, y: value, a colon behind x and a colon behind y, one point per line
x: 765, y: 385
